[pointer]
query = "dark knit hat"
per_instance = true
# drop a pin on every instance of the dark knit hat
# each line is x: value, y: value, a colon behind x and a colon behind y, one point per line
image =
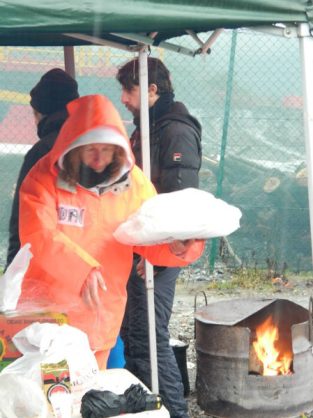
x: 53, y: 91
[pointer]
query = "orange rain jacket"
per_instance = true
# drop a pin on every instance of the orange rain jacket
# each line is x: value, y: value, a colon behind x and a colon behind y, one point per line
x: 70, y: 232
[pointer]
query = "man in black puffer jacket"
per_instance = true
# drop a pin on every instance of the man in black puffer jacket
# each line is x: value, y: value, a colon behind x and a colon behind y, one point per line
x: 175, y: 155
x: 49, y: 98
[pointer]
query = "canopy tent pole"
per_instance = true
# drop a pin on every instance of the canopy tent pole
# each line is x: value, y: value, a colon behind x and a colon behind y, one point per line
x: 304, y: 33
x: 145, y: 146
x: 306, y: 51
x: 227, y: 110
x: 69, y: 60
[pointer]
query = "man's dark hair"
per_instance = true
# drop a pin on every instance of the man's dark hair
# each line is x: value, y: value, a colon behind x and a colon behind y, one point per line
x: 128, y: 75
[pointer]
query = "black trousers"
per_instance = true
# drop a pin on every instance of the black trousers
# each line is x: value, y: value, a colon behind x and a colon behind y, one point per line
x: 135, y: 335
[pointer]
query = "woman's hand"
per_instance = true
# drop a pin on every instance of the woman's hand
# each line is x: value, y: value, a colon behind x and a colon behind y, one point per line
x: 140, y: 268
x: 179, y: 248
x: 91, y: 287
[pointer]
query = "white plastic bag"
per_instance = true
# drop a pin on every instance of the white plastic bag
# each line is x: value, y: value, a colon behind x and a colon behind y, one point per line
x: 181, y: 215
x: 21, y: 397
x: 52, y: 343
x: 11, y: 281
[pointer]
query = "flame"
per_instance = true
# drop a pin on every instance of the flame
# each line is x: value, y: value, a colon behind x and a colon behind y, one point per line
x: 274, y: 362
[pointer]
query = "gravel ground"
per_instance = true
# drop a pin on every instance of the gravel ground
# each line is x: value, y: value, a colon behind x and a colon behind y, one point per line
x: 182, y: 321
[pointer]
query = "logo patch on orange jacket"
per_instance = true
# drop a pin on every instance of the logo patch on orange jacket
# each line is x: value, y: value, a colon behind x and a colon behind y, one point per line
x: 71, y: 215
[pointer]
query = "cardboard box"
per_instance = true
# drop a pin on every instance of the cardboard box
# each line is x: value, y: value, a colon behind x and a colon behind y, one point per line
x: 13, y: 322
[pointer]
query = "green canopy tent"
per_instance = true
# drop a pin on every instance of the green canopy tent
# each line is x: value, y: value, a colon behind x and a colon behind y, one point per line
x: 46, y: 23
x: 136, y: 24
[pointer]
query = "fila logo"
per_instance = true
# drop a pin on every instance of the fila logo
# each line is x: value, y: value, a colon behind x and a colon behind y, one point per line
x: 71, y: 215
x: 177, y: 156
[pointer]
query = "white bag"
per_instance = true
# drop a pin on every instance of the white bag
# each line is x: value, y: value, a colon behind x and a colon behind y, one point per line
x: 52, y: 343
x: 21, y: 397
x: 11, y: 281
x: 181, y: 215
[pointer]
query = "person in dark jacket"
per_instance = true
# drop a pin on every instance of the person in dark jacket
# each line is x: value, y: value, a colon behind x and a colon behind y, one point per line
x: 175, y: 155
x: 49, y: 98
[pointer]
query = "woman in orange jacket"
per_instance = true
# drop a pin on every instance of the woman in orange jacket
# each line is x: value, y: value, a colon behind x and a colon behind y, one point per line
x: 71, y: 202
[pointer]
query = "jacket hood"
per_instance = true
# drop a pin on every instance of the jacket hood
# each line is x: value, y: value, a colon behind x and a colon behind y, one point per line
x: 51, y: 124
x: 87, y: 117
x: 180, y: 113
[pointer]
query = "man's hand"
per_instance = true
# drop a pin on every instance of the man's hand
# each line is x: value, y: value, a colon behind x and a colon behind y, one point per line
x: 179, y: 248
x: 141, y: 268
x: 91, y: 287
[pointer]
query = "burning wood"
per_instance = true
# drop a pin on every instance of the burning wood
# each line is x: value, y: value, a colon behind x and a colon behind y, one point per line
x: 266, y: 358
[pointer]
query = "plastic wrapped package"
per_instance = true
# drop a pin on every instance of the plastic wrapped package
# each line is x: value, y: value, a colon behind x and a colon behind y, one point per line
x: 48, y: 344
x: 13, y: 322
x: 180, y: 215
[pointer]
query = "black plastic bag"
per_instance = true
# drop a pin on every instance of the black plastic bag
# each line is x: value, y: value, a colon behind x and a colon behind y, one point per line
x: 103, y: 404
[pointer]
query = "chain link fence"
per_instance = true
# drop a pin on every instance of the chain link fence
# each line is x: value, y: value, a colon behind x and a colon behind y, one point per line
x: 247, y: 95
